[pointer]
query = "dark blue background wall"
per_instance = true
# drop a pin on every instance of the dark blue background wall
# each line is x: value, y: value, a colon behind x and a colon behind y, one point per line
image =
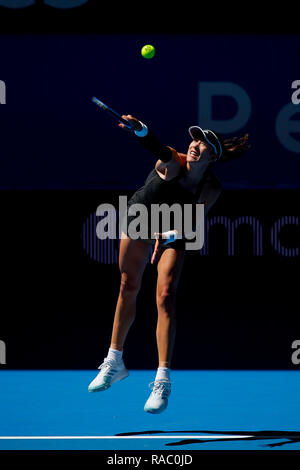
x: 52, y: 136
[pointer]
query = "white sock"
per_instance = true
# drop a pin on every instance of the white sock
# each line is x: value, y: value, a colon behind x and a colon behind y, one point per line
x: 114, y: 355
x: 163, y: 373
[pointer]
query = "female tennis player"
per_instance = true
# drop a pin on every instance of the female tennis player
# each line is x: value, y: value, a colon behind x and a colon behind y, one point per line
x: 176, y: 178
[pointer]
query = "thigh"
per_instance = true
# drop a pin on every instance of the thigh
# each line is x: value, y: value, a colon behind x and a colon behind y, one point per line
x: 169, y: 268
x: 133, y: 257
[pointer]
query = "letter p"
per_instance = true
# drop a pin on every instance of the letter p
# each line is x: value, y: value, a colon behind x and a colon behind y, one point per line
x: 208, y: 90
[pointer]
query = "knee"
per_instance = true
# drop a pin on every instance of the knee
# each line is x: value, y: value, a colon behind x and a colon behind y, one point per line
x: 129, y: 285
x: 165, y: 298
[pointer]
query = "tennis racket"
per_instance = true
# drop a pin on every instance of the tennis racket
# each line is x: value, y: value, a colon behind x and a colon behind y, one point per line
x: 111, y: 112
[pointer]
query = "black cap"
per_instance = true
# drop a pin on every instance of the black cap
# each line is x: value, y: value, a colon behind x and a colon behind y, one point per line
x: 207, y: 136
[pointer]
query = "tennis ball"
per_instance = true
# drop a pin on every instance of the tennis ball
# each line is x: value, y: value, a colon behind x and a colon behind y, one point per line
x: 148, y: 51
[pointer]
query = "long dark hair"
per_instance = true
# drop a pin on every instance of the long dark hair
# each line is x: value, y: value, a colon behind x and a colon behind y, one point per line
x: 234, y: 147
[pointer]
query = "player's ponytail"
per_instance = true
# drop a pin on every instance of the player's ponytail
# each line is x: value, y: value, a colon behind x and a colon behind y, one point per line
x: 234, y: 147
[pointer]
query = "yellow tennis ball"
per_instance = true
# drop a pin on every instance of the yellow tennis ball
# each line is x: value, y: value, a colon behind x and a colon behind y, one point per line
x: 148, y: 51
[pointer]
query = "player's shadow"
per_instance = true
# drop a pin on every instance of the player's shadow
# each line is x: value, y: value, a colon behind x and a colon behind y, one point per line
x: 287, y: 437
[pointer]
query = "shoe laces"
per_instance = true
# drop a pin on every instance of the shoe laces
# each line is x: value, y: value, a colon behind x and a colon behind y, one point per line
x: 108, y: 365
x: 161, y: 388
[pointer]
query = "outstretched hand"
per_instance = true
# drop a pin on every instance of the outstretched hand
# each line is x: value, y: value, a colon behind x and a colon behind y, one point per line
x: 137, y: 126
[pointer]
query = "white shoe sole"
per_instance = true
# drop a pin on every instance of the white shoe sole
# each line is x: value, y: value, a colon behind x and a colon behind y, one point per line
x: 155, y: 410
x: 105, y: 386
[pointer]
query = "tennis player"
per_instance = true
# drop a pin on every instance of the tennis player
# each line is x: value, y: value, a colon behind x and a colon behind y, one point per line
x: 176, y: 178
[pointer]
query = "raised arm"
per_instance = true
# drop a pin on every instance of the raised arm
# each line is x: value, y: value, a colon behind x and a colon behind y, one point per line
x: 169, y: 161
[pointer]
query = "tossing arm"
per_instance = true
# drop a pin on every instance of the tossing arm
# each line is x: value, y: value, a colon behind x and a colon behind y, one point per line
x: 148, y: 139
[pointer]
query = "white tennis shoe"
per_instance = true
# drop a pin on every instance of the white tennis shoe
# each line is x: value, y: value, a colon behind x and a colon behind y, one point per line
x: 110, y: 372
x: 158, y: 400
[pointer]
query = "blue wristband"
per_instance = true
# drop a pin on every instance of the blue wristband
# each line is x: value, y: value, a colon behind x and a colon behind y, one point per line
x: 143, y: 132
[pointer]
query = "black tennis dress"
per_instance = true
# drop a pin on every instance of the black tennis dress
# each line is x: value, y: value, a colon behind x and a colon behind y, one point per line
x: 159, y: 191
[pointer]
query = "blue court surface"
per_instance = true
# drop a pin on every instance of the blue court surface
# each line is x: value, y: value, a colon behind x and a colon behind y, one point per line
x: 208, y: 410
